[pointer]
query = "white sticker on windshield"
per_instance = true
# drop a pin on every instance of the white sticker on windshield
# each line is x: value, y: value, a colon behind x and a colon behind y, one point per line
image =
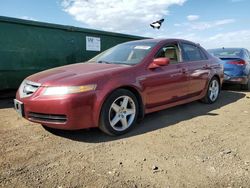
x: 142, y: 47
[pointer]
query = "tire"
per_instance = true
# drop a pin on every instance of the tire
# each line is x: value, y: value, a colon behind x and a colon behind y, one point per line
x: 246, y: 86
x: 213, y: 91
x: 119, y: 112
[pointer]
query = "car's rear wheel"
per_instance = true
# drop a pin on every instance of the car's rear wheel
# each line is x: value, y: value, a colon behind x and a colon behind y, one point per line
x: 246, y: 86
x: 212, y: 91
x: 119, y: 112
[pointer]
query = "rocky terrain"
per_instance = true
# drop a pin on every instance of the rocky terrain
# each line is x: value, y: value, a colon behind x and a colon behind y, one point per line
x: 193, y: 145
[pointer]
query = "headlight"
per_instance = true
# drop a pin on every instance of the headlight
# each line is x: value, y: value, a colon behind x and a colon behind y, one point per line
x: 63, y: 90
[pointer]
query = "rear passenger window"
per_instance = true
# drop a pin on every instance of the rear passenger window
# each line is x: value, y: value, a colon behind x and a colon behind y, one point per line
x: 192, y: 53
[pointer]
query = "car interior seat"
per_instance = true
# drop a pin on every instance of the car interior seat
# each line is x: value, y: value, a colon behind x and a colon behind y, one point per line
x: 172, y: 55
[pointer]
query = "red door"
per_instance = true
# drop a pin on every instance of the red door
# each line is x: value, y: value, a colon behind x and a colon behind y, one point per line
x: 199, y: 73
x: 198, y: 67
x: 165, y: 85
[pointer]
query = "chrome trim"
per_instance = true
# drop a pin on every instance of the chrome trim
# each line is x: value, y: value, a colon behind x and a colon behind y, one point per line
x: 33, y: 83
x: 27, y: 88
x: 57, y: 118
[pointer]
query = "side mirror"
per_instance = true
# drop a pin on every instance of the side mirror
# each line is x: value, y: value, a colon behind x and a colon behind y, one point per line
x: 158, y: 62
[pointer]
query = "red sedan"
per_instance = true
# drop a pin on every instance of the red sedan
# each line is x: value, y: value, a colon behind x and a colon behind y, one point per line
x: 119, y: 86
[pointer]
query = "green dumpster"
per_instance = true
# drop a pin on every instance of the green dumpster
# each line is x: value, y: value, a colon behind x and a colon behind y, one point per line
x: 27, y: 47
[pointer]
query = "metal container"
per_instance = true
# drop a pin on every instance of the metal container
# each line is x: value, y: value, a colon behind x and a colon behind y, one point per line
x: 27, y: 47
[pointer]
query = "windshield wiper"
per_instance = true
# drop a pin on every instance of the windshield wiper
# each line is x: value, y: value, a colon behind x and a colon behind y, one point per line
x: 115, y: 62
x: 106, y: 62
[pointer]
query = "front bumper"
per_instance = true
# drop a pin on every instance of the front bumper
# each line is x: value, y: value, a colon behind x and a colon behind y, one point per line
x: 69, y: 112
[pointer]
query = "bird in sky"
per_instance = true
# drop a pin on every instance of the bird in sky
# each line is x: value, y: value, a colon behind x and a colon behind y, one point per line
x: 157, y: 24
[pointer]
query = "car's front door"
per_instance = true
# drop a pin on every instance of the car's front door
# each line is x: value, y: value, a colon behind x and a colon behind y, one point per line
x: 166, y: 84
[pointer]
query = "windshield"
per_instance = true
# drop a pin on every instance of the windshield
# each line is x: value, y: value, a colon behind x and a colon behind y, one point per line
x: 128, y: 53
x: 226, y: 52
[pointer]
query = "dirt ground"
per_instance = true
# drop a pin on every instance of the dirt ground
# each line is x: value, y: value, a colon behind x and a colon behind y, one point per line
x: 193, y: 145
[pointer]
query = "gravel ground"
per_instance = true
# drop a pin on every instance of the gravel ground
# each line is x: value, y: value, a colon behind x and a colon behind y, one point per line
x: 193, y: 145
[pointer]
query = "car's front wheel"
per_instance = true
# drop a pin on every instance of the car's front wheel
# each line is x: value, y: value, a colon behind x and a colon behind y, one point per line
x: 212, y: 91
x: 119, y: 112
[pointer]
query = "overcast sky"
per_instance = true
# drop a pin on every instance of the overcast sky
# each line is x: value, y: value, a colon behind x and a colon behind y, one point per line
x: 212, y: 23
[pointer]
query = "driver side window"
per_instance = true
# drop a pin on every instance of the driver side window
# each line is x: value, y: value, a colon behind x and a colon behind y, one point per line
x: 171, y: 52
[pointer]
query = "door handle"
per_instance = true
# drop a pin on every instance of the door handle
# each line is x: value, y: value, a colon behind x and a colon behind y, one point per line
x: 184, y: 70
x: 206, y: 67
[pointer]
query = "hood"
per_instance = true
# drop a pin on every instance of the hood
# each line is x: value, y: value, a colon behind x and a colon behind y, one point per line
x: 75, y: 74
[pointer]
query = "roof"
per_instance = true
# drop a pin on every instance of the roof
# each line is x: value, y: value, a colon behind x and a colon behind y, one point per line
x: 163, y: 40
x: 237, y: 48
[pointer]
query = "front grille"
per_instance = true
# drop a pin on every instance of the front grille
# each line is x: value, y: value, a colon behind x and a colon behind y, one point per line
x: 56, y: 118
x: 27, y: 88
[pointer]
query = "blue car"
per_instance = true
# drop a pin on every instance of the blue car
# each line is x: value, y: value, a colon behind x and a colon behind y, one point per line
x: 236, y: 63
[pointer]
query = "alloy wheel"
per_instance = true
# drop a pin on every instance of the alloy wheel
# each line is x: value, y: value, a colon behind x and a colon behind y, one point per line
x: 214, y: 90
x: 122, y: 113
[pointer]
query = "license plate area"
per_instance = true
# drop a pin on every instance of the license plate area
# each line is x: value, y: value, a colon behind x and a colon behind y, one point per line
x: 19, y: 107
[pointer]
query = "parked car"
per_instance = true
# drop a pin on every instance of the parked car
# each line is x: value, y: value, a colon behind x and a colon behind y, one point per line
x: 236, y: 63
x: 119, y: 86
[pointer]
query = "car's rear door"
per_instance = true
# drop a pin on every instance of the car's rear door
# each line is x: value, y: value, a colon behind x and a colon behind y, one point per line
x: 198, y: 66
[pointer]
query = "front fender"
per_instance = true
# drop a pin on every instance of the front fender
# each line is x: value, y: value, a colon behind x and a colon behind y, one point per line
x: 110, y: 86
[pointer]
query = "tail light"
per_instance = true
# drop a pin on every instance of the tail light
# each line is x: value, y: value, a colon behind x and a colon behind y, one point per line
x: 237, y: 62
